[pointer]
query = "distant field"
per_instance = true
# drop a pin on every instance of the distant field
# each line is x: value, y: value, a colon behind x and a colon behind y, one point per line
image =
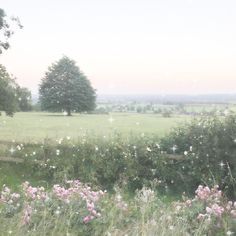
x: 209, y: 107
x: 31, y: 126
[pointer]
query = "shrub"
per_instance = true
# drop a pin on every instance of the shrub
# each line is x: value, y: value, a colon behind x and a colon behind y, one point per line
x: 207, y: 147
x: 166, y: 113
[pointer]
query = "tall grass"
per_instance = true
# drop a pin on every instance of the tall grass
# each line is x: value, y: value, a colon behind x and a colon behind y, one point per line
x: 144, y: 214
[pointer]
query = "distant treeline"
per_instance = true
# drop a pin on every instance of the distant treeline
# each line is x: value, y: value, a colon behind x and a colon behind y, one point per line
x: 170, y: 99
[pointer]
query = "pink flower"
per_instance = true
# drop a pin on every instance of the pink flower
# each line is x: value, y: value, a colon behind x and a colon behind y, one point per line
x: 207, y: 194
x: 203, y: 192
x: 87, y: 219
x: 215, y: 210
x: 27, y: 215
x: 201, y: 216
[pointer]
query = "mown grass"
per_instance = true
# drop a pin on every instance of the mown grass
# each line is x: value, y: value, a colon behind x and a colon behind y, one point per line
x: 30, y: 126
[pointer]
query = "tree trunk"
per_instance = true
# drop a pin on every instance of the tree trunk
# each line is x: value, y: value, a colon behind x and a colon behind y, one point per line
x: 69, y: 112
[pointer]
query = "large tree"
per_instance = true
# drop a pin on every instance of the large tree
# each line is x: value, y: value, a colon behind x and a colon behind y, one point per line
x: 9, y: 90
x: 8, y: 97
x: 65, y: 88
x: 12, y: 97
x: 6, y: 29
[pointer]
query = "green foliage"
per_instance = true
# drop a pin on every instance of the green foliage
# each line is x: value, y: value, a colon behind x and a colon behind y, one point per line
x: 36, y: 107
x: 66, y: 88
x: 12, y: 96
x: 5, y: 30
x: 209, y: 144
x: 8, y: 101
x: 139, y: 109
x: 202, y: 151
x: 166, y: 113
x: 24, y: 99
x: 101, y: 161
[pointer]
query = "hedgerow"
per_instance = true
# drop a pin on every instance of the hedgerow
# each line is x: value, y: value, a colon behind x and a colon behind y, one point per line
x: 201, y: 151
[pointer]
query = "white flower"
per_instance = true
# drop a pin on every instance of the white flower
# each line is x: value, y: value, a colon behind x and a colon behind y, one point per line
x: 146, y: 195
x: 118, y: 197
x: 178, y: 208
x: 10, y: 202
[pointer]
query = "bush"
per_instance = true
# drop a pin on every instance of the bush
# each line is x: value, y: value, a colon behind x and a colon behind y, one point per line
x: 208, y: 148
x: 100, y: 110
x: 166, y: 113
x: 101, y: 161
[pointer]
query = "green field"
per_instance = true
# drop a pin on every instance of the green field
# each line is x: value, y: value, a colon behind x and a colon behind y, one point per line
x: 28, y: 127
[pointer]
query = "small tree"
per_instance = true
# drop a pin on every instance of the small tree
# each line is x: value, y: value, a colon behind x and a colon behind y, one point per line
x: 8, y: 101
x: 66, y: 88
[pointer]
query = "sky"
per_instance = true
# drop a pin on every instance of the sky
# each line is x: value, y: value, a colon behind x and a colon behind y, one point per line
x: 128, y: 46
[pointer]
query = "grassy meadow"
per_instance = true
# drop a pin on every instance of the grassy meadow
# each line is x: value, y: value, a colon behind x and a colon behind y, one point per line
x: 36, y: 126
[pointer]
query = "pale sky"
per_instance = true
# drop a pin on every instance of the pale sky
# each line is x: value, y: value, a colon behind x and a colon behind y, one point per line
x: 128, y: 46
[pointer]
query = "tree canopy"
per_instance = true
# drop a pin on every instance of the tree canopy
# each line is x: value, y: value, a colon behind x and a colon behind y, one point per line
x: 6, y: 30
x: 65, y: 88
x: 12, y: 97
x: 8, y: 98
x: 24, y: 98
